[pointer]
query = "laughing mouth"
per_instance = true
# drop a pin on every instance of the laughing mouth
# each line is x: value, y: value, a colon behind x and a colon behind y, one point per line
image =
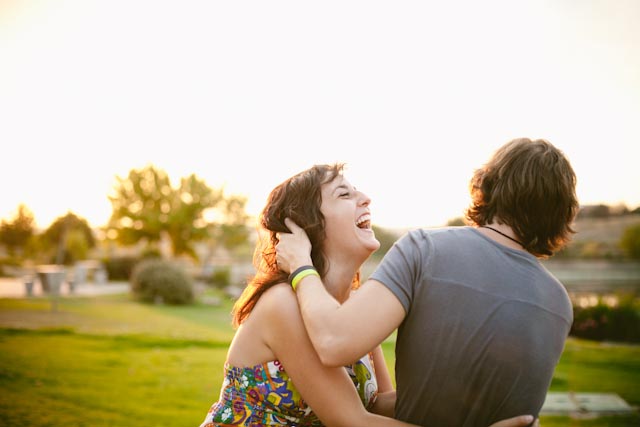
x: 364, y: 222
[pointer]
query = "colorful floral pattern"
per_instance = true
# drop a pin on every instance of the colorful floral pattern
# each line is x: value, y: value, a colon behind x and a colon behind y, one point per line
x: 263, y: 395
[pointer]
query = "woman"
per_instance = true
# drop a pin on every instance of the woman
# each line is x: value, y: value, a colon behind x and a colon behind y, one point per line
x: 271, y: 350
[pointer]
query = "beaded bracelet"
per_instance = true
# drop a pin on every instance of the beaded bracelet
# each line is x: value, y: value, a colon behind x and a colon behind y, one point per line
x: 300, y: 273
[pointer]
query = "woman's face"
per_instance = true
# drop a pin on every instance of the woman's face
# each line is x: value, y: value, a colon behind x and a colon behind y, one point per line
x: 347, y: 220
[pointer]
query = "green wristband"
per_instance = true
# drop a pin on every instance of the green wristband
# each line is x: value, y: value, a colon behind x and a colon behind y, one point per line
x: 301, y: 275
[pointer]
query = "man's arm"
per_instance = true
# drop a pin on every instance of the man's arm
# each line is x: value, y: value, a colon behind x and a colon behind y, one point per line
x: 343, y: 333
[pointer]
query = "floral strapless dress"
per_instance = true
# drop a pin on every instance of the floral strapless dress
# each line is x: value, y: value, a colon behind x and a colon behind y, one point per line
x: 263, y: 395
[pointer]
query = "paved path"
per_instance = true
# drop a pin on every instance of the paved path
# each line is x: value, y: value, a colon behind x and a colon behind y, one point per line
x: 585, y: 404
x: 15, y: 288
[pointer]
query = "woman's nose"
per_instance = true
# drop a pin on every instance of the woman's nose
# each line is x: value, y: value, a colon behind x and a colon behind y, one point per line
x: 364, y: 199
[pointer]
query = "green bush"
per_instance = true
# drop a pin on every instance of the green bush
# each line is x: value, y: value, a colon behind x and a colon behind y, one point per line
x: 120, y: 268
x: 156, y: 280
x: 10, y: 262
x: 602, y: 322
x: 151, y: 252
x: 220, y: 277
x: 630, y: 241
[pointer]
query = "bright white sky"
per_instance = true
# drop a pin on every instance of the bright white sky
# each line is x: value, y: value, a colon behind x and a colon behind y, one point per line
x: 412, y: 95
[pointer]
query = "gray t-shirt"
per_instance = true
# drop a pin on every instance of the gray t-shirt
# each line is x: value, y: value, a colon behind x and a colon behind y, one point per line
x: 484, y: 329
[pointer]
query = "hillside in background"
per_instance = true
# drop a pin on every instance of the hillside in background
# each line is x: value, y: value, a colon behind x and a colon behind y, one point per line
x: 593, y: 259
x: 599, y: 230
x: 607, y: 230
x: 599, y: 238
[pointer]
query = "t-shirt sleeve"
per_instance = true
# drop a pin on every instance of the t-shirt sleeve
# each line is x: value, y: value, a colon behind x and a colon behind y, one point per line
x: 400, y: 269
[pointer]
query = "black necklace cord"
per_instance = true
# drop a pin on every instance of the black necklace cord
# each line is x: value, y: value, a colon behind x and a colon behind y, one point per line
x: 503, y: 234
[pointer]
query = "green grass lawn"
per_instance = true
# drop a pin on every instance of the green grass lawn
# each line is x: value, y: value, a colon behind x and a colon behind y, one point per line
x: 108, y: 361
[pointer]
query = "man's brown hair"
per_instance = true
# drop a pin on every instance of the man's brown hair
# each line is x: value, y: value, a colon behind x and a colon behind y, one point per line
x: 528, y: 185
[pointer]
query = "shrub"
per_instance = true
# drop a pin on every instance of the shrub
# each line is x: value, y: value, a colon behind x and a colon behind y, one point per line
x: 156, y: 280
x: 151, y: 252
x: 602, y: 322
x: 120, y: 268
x: 11, y: 267
x: 220, y: 278
x: 630, y: 241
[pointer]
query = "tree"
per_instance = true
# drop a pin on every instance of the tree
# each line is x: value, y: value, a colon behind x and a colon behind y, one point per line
x: 595, y: 211
x: 70, y: 236
x: 456, y: 222
x: 186, y: 223
x: 231, y: 231
x: 15, y: 233
x: 630, y: 241
x: 76, y: 245
x: 141, y: 204
x: 146, y: 207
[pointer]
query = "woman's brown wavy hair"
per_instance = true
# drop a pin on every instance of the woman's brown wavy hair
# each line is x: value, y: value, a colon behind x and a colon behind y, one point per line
x: 529, y: 186
x: 298, y: 198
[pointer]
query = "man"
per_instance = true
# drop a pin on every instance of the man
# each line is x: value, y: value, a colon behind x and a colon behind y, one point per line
x: 481, y: 323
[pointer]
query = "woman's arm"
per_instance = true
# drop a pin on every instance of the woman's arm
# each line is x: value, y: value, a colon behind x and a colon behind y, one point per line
x: 386, y: 401
x: 519, y: 421
x: 328, y: 391
x: 385, y: 404
x: 371, y: 314
x: 382, y: 371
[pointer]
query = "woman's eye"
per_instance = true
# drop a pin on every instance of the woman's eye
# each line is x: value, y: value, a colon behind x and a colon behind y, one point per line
x: 344, y: 195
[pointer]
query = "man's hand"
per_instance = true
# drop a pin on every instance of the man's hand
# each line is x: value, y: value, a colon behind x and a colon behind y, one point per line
x: 293, y: 249
x: 520, y: 421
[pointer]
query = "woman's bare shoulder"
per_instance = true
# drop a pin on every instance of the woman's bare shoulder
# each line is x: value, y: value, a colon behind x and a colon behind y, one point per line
x: 281, y: 301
